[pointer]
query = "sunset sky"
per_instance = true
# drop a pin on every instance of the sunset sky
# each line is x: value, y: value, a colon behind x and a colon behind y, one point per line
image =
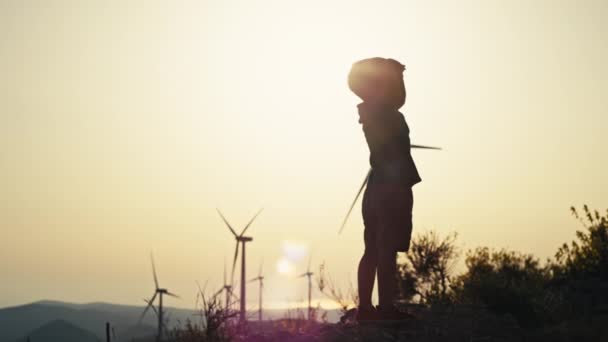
x: 125, y: 124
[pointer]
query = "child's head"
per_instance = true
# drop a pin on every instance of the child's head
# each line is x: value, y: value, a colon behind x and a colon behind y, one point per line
x: 378, y: 81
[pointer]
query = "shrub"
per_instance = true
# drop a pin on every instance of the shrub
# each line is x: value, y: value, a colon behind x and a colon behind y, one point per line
x: 587, y: 258
x: 426, y: 270
x: 504, y: 282
x: 217, y: 322
x: 580, y: 270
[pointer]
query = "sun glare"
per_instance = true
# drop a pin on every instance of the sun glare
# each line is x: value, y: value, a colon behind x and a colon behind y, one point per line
x: 294, y: 251
x: 285, y: 267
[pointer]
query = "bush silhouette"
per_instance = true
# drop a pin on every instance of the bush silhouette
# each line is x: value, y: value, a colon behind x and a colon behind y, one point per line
x: 587, y: 258
x: 575, y: 283
x: 504, y: 282
x: 580, y: 270
x: 425, y: 272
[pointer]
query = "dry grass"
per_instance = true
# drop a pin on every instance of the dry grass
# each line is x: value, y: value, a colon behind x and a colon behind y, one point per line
x: 346, y: 300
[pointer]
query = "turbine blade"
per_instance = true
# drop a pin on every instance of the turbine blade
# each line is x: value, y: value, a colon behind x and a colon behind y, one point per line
x: 171, y: 294
x: 224, y: 271
x: 154, y: 271
x: 236, y: 255
x: 302, y: 275
x: 355, y: 201
x: 153, y: 297
x: 219, y: 292
x: 154, y: 309
x: 143, y: 314
x: 252, y: 280
x: 251, y: 221
x: 226, y: 222
x: 150, y: 304
x: 425, y: 147
x: 365, y: 183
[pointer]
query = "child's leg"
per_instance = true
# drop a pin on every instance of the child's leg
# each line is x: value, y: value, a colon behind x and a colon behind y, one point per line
x: 387, y: 277
x: 366, y: 275
x: 394, y: 232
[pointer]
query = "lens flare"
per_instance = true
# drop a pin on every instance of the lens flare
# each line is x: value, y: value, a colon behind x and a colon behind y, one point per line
x: 285, y: 267
x: 294, y: 251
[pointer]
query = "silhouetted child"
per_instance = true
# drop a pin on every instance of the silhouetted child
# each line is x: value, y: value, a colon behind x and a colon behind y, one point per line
x: 388, y: 200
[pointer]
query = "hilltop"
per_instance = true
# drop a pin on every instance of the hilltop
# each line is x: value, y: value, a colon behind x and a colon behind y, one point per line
x: 60, y: 331
x: 18, y: 321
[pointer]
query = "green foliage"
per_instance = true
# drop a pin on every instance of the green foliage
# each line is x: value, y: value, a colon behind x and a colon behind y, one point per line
x: 425, y: 272
x: 504, y: 282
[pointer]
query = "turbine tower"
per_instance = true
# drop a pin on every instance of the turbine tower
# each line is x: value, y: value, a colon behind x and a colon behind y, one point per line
x: 260, y: 278
x: 308, y: 274
x: 225, y: 288
x: 158, y: 291
x: 240, y: 239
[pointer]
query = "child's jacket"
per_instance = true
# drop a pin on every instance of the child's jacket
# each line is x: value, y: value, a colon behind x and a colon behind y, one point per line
x: 388, y: 139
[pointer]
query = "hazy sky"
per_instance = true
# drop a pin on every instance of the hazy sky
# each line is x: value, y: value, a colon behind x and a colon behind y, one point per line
x: 124, y: 124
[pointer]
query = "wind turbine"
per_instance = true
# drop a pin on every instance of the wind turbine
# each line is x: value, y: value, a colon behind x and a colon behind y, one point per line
x: 308, y: 274
x: 158, y: 291
x: 240, y: 239
x: 227, y: 288
x: 148, y: 301
x: 260, y: 278
x: 365, y: 183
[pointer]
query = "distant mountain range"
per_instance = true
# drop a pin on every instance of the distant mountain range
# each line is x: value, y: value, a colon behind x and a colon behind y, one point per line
x: 44, y: 318
x: 60, y: 331
x: 22, y: 321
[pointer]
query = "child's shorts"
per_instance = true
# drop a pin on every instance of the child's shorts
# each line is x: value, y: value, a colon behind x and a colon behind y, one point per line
x: 387, y: 216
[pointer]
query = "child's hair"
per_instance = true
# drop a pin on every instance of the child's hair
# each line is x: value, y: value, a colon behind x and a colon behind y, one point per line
x: 378, y: 80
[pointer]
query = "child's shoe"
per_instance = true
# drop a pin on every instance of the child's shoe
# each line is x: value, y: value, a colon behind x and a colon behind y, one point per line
x: 392, y: 314
x: 367, y: 315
